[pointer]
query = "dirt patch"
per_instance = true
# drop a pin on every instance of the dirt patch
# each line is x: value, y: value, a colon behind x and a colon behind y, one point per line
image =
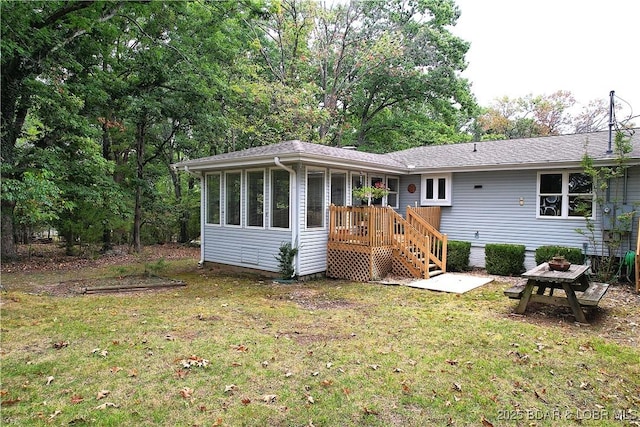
x: 312, y: 299
x: 52, y: 257
x: 126, y: 284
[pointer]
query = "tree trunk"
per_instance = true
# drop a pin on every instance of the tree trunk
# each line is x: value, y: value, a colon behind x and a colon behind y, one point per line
x: 184, y: 216
x: 9, y: 249
x: 137, y: 215
x: 107, y: 244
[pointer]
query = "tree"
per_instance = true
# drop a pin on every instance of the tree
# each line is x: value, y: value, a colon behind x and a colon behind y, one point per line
x: 41, y: 37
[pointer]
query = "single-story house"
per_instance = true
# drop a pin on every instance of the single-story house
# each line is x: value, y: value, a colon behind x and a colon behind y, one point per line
x: 520, y: 191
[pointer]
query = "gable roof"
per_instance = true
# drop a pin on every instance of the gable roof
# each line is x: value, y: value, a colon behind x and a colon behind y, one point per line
x: 525, y: 153
x: 294, y: 151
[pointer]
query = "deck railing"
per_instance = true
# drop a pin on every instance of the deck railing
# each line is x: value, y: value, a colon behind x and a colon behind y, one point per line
x: 416, y: 239
x: 360, y: 225
x: 431, y: 214
x: 419, y: 219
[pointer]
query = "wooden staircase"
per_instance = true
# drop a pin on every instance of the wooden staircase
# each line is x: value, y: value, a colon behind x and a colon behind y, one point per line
x: 418, y: 246
x: 367, y: 243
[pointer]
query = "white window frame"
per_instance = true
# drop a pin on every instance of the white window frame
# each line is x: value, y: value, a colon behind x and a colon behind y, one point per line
x: 224, y: 217
x: 272, y: 200
x: 564, y: 214
x: 362, y: 179
x: 436, y: 200
x: 345, y: 196
x: 324, y: 198
x: 264, y: 198
x: 397, y: 192
x: 220, y: 200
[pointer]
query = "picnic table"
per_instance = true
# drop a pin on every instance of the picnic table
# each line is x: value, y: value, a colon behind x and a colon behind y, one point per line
x: 578, y: 291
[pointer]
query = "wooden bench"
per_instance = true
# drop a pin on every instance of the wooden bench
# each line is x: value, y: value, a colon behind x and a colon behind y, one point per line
x: 590, y: 298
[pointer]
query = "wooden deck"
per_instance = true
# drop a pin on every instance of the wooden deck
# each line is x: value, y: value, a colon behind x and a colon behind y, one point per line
x: 368, y: 242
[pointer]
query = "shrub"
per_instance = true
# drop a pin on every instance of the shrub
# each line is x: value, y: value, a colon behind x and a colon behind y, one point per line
x: 504, y: 259
x: 458, y: 255
x: 545, y: 253
x: 285, y: 258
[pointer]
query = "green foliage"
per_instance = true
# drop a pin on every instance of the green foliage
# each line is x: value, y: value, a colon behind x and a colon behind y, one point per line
x: 286, y: 256
x: 458, y: 255
x: 504, y: 259
x: 605, y: 246
x: 545, y: 253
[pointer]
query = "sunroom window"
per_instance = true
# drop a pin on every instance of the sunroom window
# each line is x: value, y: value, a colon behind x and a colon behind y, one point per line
x: 315, y: 199
x: 233, y: 187
x: 338, y: 188
x: 565, y: 195
x: 213, y: 199
x: 280, y: 198
x: 392, y: 185
x: 255, y: 198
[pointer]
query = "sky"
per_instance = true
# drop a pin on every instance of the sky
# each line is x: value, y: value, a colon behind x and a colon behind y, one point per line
x: 521, y: 47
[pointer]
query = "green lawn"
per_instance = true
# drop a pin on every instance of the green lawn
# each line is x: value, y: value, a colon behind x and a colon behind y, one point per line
x: 236, y: 350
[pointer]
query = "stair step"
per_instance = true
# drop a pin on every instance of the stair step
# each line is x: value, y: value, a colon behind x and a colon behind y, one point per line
x: 435, y: 273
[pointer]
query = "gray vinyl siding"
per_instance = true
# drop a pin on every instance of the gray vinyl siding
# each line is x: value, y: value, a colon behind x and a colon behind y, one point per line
x: 486, y: 209
x: 244, y: 247
x: 312, y: 245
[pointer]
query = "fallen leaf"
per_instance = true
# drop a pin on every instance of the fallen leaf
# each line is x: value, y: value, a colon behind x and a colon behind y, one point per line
x: 310, y: 399
x: 374, y: 367
x: 230, y: 388
x: 106, y: 405
x: 60, y: 344
x: 181, y: 373
x: 398, y: 370
x: 217, y: 422
x: 55, y: 414
x: 76, y: 399
x: 288, y: 374
x: 346, y: 391
x: 169, y: 338
x: 329, y: 365
x: 246, y: 401
x: 10, y: 402
x: 406, y: 389
x: 457, y: 387
x: 265, y: 364
x: 326, y: 383
x: 368, y: 411
x: 133, y: 373
x: 102, y: 394
x: 115, y: 369
x: 452, y: 362
x: 50, y: 379
x: 269, y: 398
x: 186, y: 392
x: 486, y: 422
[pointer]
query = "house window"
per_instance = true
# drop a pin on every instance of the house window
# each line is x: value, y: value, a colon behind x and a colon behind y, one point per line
x: 376, y: 181
x: 357, y: 181
x: 315, y: 199
x: 338, y: 188
x: 436, y: 190
x: 213, y: 199
x: 255, y: 198
x: 280, y: 198
x: 233, y: 183
x: 392, y: 186
x: 565, y: 195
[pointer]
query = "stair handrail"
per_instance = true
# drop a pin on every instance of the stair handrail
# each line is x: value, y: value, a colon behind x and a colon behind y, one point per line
x: 438, y: 247
x: 413, y: 245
